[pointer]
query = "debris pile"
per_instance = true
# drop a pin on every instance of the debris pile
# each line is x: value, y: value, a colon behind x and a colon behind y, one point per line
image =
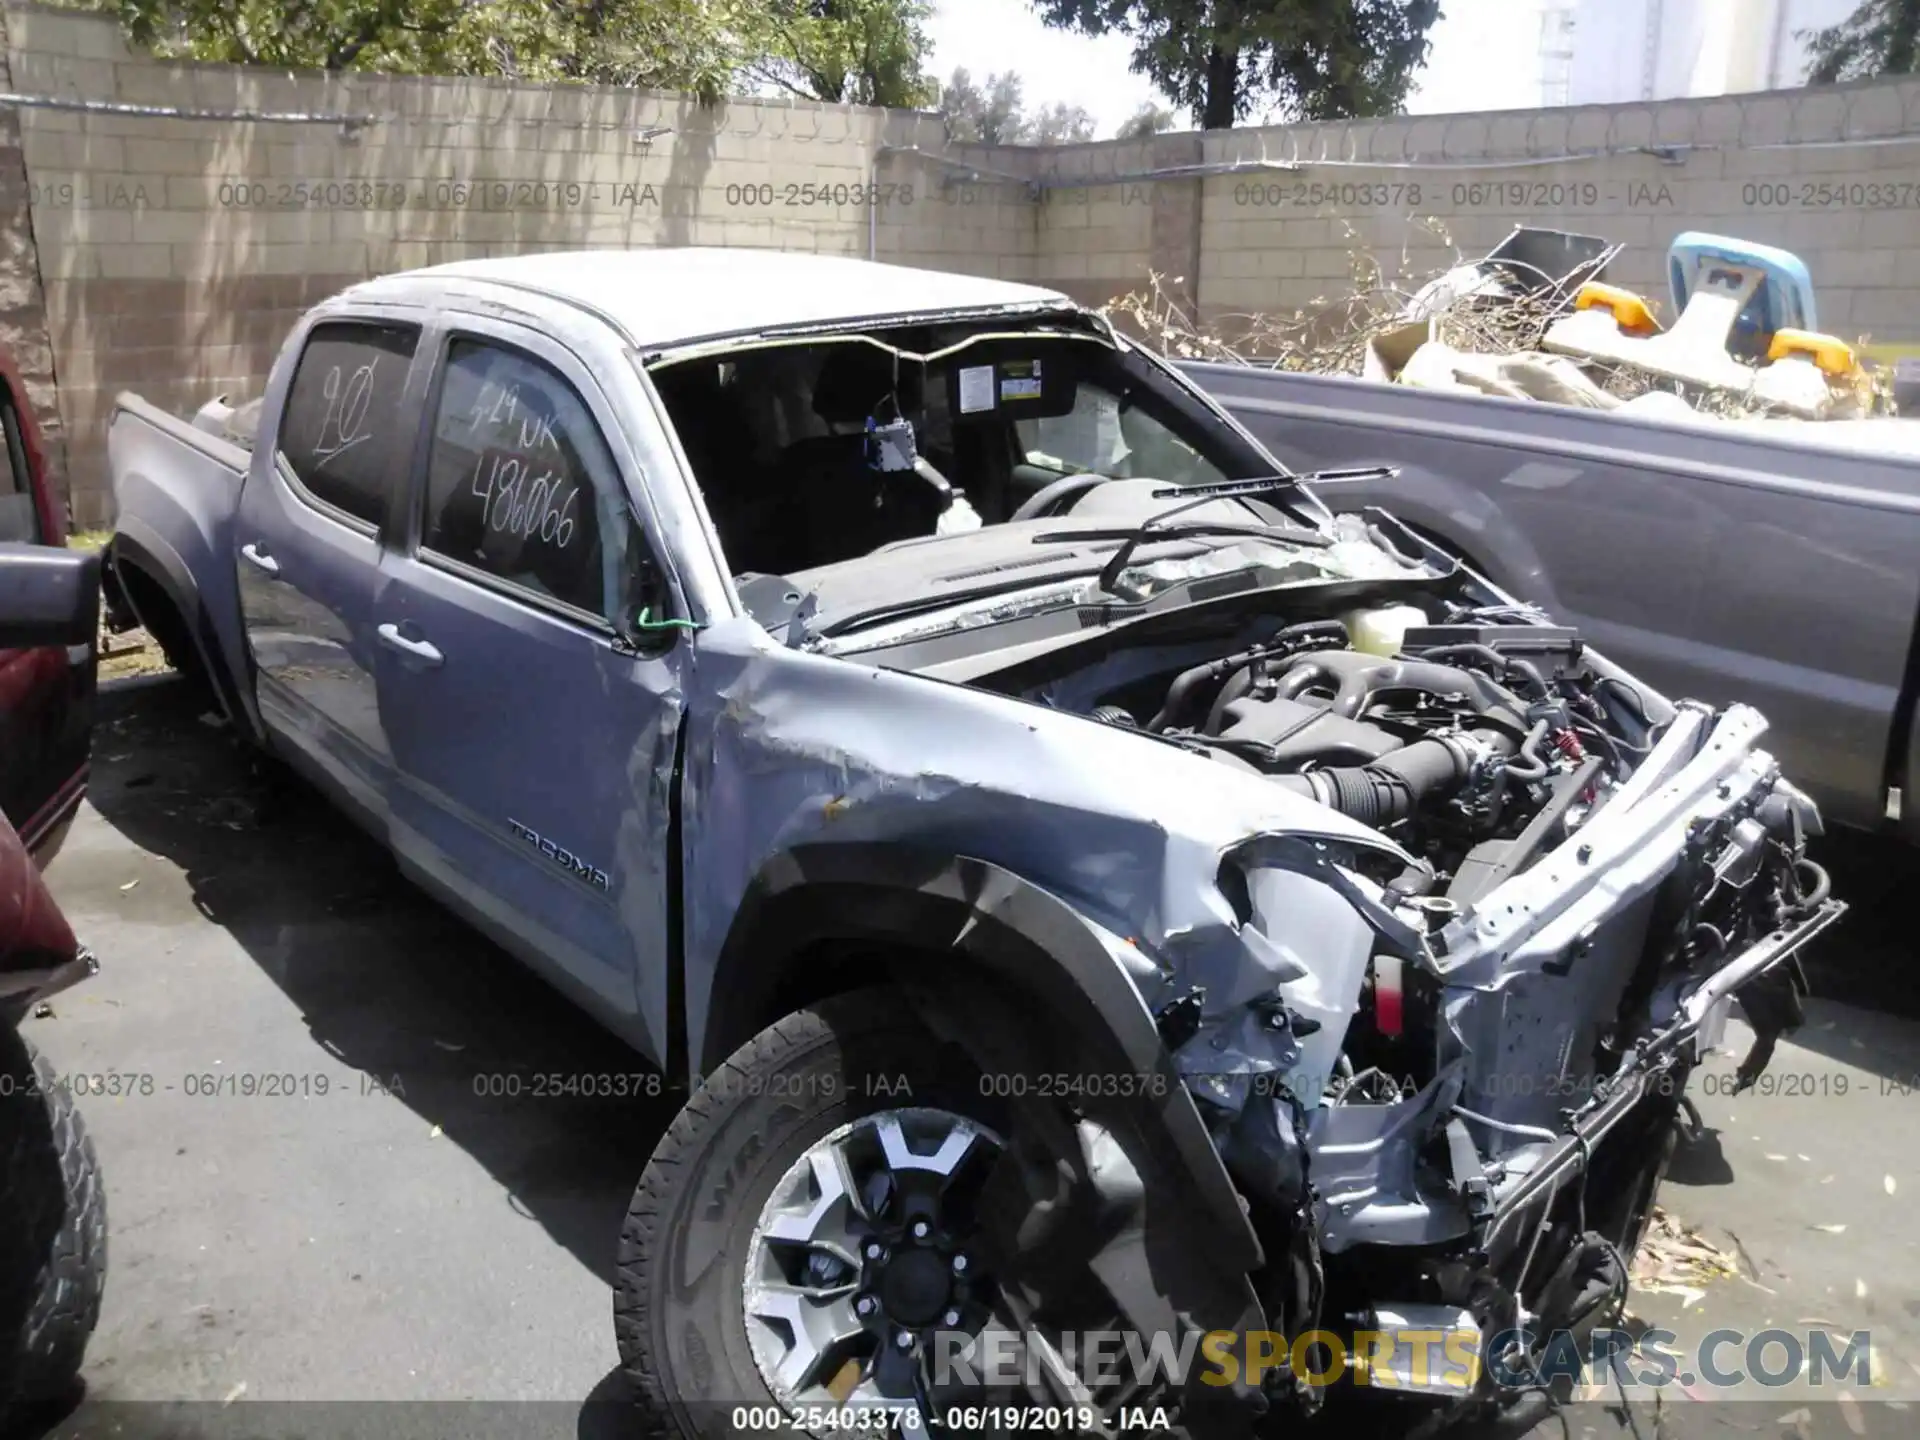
x: 1674, y: 1259
x: 1533, y: 319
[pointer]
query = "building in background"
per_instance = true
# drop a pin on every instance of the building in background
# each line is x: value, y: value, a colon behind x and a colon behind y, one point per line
x: 1623, y: 50
x: 1557, y: 24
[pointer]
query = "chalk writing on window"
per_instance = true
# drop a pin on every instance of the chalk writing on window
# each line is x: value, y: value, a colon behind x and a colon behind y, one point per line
x: 517, y: 500
x: 343, y: 432
x: 349, y: 396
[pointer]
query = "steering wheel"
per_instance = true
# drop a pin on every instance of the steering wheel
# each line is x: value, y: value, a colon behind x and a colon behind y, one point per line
x: 1048, y: 499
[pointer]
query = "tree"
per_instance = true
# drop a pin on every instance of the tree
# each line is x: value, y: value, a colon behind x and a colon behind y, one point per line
x: 992, y: 115
x: 1150, y: 119
x: 996, y: 114
x: 1882, y: 37
x: 866, y: 51
x: 1310, y: 59
x: 858, y: 52
x: 1060, y: 124
x: 328, y: 35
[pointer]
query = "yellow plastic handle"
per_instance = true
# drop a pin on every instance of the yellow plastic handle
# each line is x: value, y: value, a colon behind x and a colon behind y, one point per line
x: 1832, y: 354
x: 1630, y: 312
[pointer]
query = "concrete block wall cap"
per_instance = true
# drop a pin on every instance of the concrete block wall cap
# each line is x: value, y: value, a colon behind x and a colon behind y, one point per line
x: 172, y: 112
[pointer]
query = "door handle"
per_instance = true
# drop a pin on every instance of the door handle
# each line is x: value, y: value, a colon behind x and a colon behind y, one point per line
x: 391, y: 637
x: 259, y: 559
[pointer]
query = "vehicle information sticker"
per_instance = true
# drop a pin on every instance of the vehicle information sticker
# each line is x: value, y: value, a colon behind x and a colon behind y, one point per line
x: 1022, y: 381
x: 976, y: 389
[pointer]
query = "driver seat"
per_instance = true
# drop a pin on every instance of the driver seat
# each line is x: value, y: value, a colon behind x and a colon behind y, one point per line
x: 839, y: 507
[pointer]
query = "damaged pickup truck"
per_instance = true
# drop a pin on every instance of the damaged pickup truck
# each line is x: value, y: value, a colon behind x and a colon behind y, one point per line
x: 1085, y: 885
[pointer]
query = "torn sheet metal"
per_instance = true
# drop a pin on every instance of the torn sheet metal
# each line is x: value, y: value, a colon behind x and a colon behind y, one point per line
x: 788, y: 748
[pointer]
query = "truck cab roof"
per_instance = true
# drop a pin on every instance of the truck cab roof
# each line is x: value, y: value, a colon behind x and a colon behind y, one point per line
x: 667, y: 297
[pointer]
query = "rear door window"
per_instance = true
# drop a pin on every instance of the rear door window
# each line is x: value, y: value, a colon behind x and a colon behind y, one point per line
x: 19, y: 519
x: 521, y: 484
x: 343, y: 431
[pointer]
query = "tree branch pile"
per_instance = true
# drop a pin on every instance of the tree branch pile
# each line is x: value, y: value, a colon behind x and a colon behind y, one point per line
x: 1333, y: 334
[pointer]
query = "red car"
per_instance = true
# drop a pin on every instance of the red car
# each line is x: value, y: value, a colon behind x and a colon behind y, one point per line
x: 53, y: 1244
x: 46, y: 691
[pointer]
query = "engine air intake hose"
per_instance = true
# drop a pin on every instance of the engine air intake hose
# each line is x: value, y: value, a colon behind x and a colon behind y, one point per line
x: 1393, y: 787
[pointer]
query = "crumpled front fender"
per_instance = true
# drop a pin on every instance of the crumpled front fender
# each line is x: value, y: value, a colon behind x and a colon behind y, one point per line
x: 1006, y: 934
x: 1043, y: 999
x: 788, y: 750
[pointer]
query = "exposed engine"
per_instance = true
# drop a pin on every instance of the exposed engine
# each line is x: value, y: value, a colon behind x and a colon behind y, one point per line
x: 1491, y: 1091
x: 1476, y: 744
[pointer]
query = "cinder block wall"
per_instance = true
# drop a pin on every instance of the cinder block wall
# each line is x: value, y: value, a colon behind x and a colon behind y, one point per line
x: 170, y: 255
x: 1833, y: 175
x: 23, y: 311
x: 175, y: 253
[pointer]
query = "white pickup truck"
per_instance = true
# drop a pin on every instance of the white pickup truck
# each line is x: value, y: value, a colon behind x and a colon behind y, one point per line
x: 1154, y: 904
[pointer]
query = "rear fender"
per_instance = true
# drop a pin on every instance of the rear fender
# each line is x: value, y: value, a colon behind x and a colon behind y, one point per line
x: 139, y: 547
x: 1463, y: 520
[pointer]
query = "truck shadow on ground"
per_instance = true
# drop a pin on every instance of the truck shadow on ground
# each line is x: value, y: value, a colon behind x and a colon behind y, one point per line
x: 387, y: 981
x: 405, y: 993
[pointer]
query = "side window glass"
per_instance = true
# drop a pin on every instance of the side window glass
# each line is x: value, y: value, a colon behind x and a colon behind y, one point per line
x: 19, y: 521
x: 1100, y: 435
x: 521, y: 484
x: 343, y: 430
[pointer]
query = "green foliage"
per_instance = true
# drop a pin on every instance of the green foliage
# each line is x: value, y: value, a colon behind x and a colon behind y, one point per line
x: 1882, y: 37
x: 996, y: 114
x: 862, y: 51
x: 858, y: 52
x: 1059, y: 124
x: 1149, y: 119
x: 983, y: 115
x: 1308, y: 59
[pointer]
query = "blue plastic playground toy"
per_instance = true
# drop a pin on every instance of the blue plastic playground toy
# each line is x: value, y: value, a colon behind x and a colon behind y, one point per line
x: 1783, y: 302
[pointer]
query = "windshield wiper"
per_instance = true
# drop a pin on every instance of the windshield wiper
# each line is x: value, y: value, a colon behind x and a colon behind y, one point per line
x: 1263, y: 484
x: 1131, y: 539
x: 1197, y: 495
x: 805, y: 625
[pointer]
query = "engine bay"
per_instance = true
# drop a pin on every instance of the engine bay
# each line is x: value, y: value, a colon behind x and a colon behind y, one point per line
x: 1485, y: 1086
x: 1476, y: 742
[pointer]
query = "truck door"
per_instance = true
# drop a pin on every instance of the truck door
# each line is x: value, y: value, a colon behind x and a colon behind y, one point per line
x: 46, y: 693
x: 308, y: 536
x: 532, y: 746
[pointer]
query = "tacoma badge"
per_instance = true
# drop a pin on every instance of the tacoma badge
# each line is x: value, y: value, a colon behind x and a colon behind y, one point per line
x: 579, y: 868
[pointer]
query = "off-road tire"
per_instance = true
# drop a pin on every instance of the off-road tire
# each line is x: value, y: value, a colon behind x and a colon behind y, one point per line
x: 677, y: 1306
x: 53, y: 1232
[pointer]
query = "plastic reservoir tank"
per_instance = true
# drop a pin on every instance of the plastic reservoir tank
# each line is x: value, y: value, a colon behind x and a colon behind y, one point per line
x: 1382, y: 631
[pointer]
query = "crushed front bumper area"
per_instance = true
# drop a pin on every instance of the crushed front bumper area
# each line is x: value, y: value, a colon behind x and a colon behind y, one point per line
x: 1561, y: 1017
x: 1657, y: 1069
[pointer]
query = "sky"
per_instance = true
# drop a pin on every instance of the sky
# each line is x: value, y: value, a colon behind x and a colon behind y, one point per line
x: 1485, y: 57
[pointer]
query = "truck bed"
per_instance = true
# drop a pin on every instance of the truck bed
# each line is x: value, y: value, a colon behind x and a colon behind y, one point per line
x: 1720, y: 563
x: 176, y: 488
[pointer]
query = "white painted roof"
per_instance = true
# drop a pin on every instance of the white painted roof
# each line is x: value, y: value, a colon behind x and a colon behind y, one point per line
x: 667, y: 295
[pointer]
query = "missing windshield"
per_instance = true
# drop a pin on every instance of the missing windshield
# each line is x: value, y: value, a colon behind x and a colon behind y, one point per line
x: 1017, y: 419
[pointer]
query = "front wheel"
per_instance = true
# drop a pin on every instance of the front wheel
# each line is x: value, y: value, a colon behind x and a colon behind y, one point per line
x: 53, y: 1232
x: 806, y: 1236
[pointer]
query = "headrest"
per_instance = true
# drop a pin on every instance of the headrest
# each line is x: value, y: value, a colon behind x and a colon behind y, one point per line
x: 855, y: 378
